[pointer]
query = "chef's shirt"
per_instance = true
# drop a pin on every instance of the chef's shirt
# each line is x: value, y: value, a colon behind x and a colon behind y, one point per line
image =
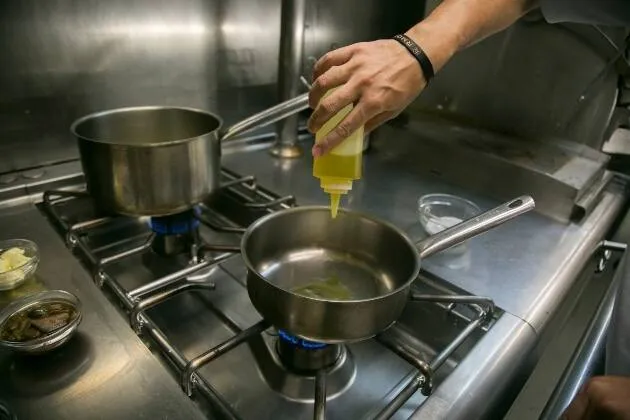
x: 602, y: 12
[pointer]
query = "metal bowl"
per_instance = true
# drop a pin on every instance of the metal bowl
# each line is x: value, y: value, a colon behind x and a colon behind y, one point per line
x: 18, y: 275
x: 50, y: 340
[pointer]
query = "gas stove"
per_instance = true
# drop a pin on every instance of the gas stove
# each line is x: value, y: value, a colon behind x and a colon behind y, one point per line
x: 182, y: 284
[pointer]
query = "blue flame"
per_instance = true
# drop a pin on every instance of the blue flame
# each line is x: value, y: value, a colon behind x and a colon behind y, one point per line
x: 176, y: 224
x: 300, y: 342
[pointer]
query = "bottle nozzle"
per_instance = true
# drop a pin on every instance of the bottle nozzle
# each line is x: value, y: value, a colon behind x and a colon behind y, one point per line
x: 334, y: 204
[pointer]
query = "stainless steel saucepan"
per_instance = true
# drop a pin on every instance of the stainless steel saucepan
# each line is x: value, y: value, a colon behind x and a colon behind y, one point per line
x: 158, y: 160
x: 372, y: 265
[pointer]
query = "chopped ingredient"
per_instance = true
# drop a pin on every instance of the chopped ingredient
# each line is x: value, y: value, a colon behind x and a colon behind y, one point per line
x: 332, y: 289
x: 10, y: 262
x: 37, y: 321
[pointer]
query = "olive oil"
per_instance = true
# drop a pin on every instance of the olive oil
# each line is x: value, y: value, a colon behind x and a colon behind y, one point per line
x: 331, y: 289
x: 342, y: 165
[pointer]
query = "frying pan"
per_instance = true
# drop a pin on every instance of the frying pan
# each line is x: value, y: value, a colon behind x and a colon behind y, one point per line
x: 373, y: 261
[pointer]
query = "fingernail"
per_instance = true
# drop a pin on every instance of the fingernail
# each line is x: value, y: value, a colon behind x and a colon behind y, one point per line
x: 317, y: 151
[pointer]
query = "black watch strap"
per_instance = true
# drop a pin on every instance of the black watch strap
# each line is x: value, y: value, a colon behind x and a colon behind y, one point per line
x: 419, y: 55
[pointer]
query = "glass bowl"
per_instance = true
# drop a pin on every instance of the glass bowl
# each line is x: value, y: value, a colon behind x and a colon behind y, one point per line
x: 438, y: 212
x: 12, y: 278
x: 50, y: 340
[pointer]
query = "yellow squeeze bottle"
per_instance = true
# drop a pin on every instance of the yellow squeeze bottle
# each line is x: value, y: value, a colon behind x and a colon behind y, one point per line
x: 342, y: 165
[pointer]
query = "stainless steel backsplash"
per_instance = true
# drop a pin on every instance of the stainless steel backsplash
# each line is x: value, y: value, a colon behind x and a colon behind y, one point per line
x: 61, y: 59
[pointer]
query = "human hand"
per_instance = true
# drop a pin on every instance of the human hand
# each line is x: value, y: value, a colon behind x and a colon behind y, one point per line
x: 603, y: 397
x: 380, y: 78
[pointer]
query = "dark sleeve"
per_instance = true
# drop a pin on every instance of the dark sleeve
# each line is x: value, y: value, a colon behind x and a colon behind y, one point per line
x: 598, y: 12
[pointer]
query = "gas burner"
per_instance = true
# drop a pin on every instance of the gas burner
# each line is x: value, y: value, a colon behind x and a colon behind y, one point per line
x: 175, y: 234
x: 291, y: 370
x: 176, y: 224
x: 303, y: 356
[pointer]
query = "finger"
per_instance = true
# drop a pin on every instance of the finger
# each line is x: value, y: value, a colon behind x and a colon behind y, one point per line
x: 355, y: 119
x: 379, y: 120
x: 336, y: 57
x: 331, y: 105
x: 334, y: 77
x: 577, y: 408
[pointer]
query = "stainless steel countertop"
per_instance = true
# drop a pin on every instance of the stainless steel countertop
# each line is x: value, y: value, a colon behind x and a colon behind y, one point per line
x: 103, y: 372
x: 527, y: 266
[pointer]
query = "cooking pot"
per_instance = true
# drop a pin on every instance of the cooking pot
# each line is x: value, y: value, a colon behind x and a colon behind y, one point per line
x: 371, y: 262
x: 159, y: 160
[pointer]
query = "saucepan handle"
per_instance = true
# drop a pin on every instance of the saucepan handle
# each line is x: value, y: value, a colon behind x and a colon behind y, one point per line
x: 269, y: 116
x: 474, y: 226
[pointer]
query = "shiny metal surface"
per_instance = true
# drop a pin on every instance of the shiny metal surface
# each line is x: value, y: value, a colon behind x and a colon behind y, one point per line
x: 351, y: 248
x: 587, y: 360
x: 278, y: 112
x: 559, y: 175
x: 320, y: 396
x: 213, y: 54
x: 492, y: 372
x: 468, y: 229
x: 474, y: 381
x: 52, y: 340
x: 151, y: 161
x: 59, y: 72
x: 215, y: 352
x: 159, y: 161
x: 357, y: 387
x: 307, y: 360
x: 344, y: 386
x: 517, y: 77
x: 290, y: 59
x: 373, y: 261
x: 104, y: 362
x: 526, y: 266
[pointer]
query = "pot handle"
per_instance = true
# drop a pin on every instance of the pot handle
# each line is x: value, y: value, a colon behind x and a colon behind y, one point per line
x: 269, y: 116
x: 474, y: 226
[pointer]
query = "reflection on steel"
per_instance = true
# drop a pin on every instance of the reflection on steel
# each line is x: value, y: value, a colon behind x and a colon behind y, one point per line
x: 482, y: 305
x: 320, y: 395
x: 424, y: 378
x: 157, y: 298
x: 212, y: 354
x: 262, y: 194
x: 163, y: 282
x: 137, y: 301
x: 292, y: 25
x: 128, y: 253
x: 424, y: 369
x: 606, y: 248
x: 589, y: 357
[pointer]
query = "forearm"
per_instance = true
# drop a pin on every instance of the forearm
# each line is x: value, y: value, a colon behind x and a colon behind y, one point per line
x: 457, y: 24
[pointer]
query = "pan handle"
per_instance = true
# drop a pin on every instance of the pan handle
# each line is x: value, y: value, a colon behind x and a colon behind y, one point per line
x: 269, y: 116
x: 474, y: 226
